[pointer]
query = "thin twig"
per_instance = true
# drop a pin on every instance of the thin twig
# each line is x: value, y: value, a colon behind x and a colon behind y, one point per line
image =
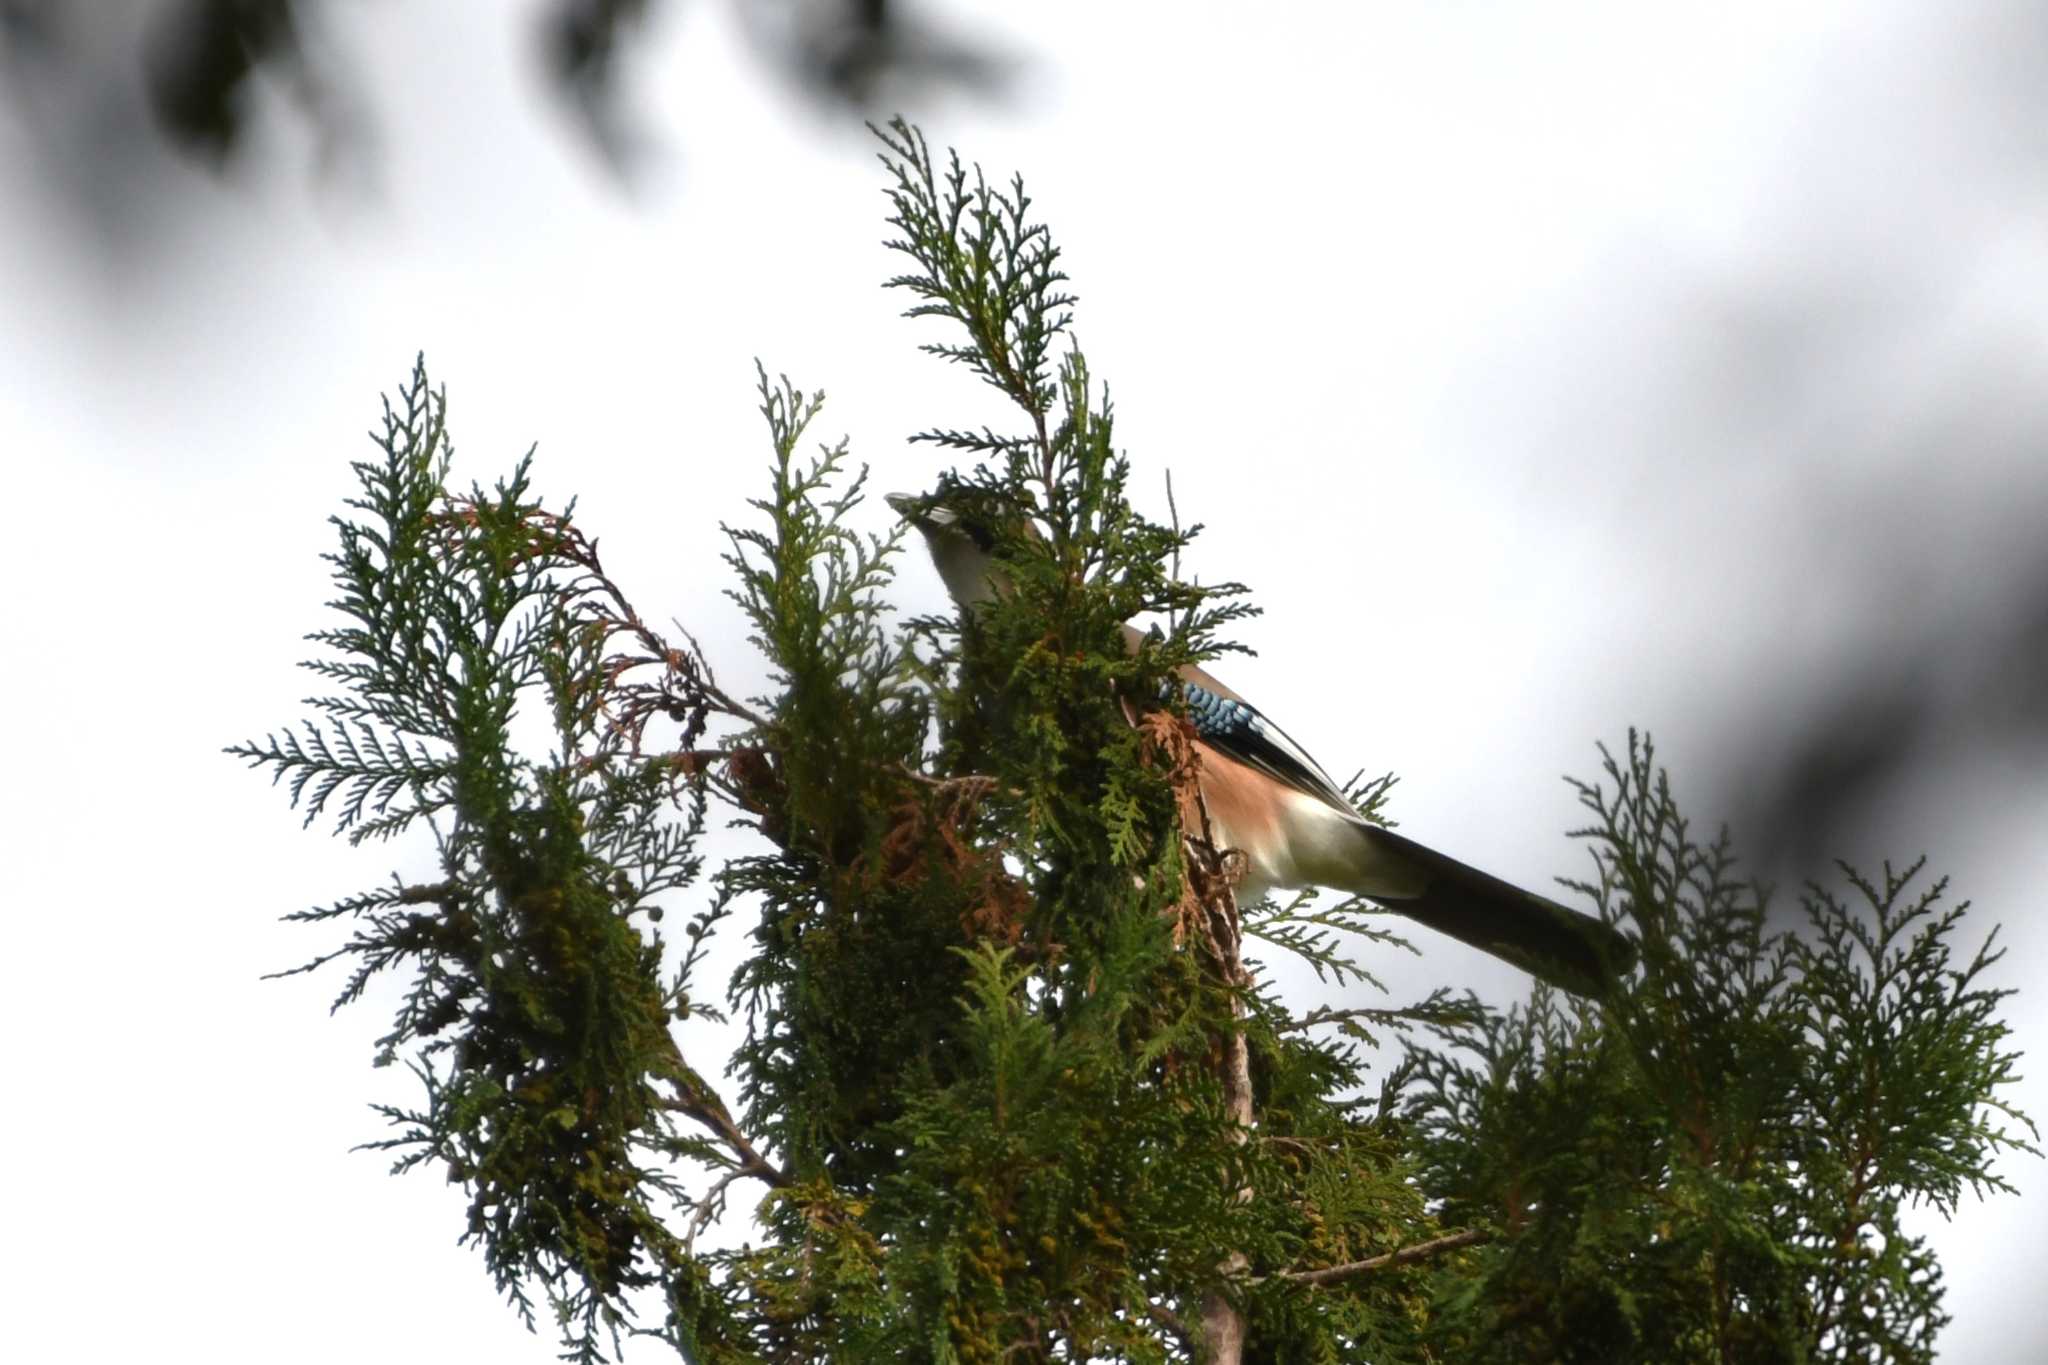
x: 1323, y: 1014
x: 1351, y: 1270
x: 710, y: 1206
x: 971, y: 784
x: 1173, y: 516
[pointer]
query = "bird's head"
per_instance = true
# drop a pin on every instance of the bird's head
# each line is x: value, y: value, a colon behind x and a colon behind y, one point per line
x: 963, y: 528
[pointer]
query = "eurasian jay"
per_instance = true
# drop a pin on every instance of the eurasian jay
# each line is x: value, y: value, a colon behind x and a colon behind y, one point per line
x: 1268, y: 799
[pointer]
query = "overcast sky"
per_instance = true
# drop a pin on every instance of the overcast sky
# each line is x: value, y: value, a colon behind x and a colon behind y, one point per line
x: 1545, y: 370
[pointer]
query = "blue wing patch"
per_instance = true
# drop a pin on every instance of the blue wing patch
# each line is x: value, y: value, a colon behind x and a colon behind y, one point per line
x: 1241, y: 731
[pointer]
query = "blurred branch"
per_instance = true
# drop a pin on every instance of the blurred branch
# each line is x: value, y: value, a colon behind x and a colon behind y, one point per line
x: 1896, y: 718
x: 201, y: 60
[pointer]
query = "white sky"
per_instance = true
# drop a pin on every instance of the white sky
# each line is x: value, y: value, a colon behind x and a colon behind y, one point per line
x: 1544, y: 369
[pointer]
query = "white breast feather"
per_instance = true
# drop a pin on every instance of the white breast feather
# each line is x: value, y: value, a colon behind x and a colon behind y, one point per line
x: 1323, y: 847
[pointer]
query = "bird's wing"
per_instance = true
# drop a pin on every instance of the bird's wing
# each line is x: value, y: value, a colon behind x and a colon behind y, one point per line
x: 1236, y: 728
x: 1240, y: 730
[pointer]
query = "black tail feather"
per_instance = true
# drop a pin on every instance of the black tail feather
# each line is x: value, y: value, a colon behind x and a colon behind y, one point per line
x: 1572, y: 951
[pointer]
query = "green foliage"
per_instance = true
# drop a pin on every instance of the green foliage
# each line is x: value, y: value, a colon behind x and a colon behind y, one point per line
x: 842, y: 738
x: 1008, y: 1088
x: 536, y: 1017
x: 1715, y: 1170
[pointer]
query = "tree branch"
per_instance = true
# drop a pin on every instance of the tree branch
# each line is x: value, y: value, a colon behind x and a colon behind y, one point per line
x: 710, y: 1206
x: 1210, y: 902
x: 696, y: 1100
x: 1351, y: 1270
x: 1170, y: 1320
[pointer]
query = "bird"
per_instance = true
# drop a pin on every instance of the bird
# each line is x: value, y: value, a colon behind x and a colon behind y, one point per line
x: 1268, y: 799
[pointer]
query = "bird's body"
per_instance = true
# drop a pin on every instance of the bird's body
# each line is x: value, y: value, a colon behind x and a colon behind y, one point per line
x: 1267, y: 798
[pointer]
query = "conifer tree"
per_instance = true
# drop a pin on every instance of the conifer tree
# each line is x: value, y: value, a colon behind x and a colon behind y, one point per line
x: 1013, y: 1085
